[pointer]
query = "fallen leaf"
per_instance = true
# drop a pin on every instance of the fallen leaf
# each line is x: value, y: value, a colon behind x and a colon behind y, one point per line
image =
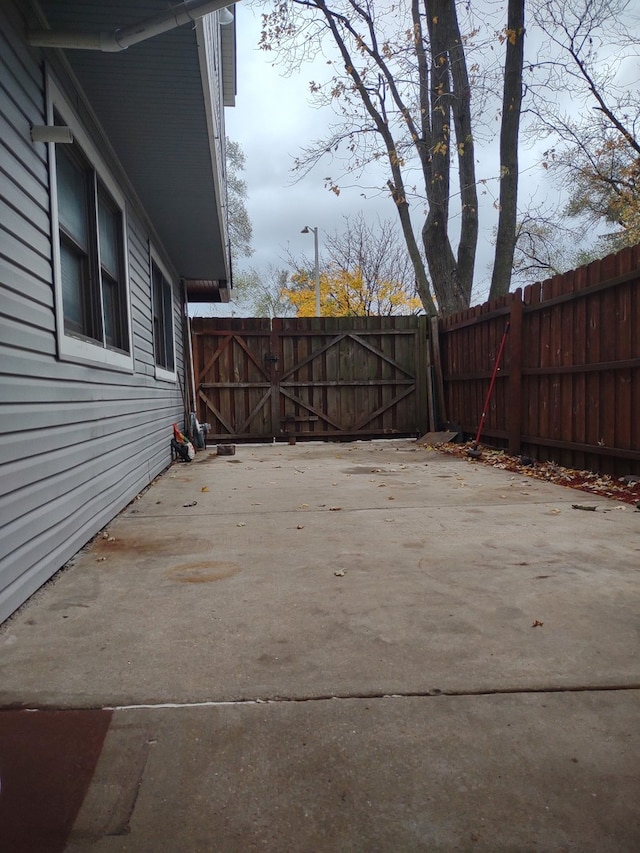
x: 585, y: 507
x: 335, y: 508
x: 537, y: 624
x: 300, y: 527
x: 204, y: 489
x: 241, y: 524
x: 193, y: 503
x: 339, y: 573
x: 554, y: 511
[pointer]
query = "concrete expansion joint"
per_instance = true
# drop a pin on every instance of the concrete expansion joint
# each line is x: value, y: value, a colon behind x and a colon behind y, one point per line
x: 280, y: 700
x: 416, y: 694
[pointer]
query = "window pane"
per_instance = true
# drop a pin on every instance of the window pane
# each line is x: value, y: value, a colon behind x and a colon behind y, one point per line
x: 168, y: 327
x: 71, y: 267
x: 162, y: 320
x: 158, y: 326
x: 111, y: 265
x: 72, y: 197
x: 109, y: 235
x: 110, y: 311
x: 116, y: 326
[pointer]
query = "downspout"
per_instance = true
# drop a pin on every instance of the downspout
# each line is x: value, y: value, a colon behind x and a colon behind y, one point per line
x: 189, y: 343
x: 123, y: 37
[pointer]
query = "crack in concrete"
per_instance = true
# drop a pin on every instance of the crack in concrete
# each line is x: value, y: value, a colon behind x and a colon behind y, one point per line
x: 275, y: 700
x: 417, y: 694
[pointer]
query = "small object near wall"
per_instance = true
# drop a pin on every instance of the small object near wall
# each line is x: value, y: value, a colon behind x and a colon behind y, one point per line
x: 226, y: 450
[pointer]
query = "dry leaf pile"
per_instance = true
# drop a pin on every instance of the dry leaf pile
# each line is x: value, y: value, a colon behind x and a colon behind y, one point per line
x: 588, y: 481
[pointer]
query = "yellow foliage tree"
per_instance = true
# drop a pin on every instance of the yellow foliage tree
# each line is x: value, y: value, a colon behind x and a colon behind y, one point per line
x: 346, y: 293
x: 605, y: 185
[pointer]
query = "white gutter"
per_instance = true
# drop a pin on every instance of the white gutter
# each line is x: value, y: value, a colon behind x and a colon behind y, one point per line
x: 122, y: 38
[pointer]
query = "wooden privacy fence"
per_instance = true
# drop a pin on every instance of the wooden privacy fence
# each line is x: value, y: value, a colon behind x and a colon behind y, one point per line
x: 569, y: 385
x: 314, y: 378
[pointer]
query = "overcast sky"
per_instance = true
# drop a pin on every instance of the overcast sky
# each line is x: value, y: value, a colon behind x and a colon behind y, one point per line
x: 273, y: 120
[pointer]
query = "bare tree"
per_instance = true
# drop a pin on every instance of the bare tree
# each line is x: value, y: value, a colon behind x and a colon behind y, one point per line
x: 591, y: 47
x: 546, y: 245
x: 365, y: 271
x: 404, y: 98
x: 259, y: 293
x: 378, y: 251
x: 240, y: 228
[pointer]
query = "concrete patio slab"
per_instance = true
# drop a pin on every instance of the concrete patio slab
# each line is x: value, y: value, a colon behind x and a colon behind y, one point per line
x: 490, y: 773
x: 445, y: 604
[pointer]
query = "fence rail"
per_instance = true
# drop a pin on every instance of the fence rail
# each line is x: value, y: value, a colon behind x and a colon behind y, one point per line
x: 569, y: 385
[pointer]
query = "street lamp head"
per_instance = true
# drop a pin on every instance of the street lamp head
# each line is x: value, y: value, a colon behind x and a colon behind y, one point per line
x: 305, y: 230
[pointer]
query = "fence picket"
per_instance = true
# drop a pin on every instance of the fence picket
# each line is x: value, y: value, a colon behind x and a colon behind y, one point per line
x: 570, y: 390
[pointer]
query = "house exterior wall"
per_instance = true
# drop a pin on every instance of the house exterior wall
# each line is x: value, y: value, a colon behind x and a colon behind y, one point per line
x: 78, y: 440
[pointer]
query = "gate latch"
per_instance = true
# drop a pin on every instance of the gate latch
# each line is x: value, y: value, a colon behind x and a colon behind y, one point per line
x: 270, y: 358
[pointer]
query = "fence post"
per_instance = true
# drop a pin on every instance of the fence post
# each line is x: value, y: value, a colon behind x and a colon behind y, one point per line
x: 423, y: 380
x: 441, y: 405
x: 514, y: 396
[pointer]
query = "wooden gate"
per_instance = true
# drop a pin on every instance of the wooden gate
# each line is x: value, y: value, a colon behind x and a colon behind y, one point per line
x: 315, y: 378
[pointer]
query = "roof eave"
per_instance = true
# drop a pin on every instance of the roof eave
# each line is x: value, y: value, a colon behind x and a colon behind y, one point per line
x: 201, y: 291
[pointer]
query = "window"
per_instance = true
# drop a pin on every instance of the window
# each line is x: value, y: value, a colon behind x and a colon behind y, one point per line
x: 114, y: 294
x: 162, y: 321
x: 92, y: 296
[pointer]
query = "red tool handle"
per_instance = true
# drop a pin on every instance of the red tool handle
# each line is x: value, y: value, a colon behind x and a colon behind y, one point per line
x: 493, y: 382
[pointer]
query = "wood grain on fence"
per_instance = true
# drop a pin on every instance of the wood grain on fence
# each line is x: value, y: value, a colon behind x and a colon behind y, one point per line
x: 569, y: 386
x: 316, y: 377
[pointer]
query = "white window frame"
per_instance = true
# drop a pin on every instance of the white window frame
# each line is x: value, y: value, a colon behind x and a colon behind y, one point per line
x: 72, y: 348
x: 161, y: 372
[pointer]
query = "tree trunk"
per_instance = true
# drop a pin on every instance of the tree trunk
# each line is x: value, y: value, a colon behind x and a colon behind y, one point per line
x: 461, y: 109
x: 435, y: 231
x: 509, y: 129
x: 452, y: 291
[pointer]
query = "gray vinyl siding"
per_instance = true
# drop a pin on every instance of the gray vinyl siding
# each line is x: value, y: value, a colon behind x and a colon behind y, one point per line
x: 77, y: 442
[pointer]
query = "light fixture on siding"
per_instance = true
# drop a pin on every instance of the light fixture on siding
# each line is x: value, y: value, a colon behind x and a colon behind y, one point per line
x: 58, y: 133
x: 225, y: 17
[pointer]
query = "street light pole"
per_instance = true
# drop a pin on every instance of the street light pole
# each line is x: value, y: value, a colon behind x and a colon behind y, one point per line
x: 306, y: 230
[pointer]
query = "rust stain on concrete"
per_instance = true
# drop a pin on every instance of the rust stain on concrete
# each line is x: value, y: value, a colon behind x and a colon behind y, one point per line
x: 203, y: 572
x: 155, y: 544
